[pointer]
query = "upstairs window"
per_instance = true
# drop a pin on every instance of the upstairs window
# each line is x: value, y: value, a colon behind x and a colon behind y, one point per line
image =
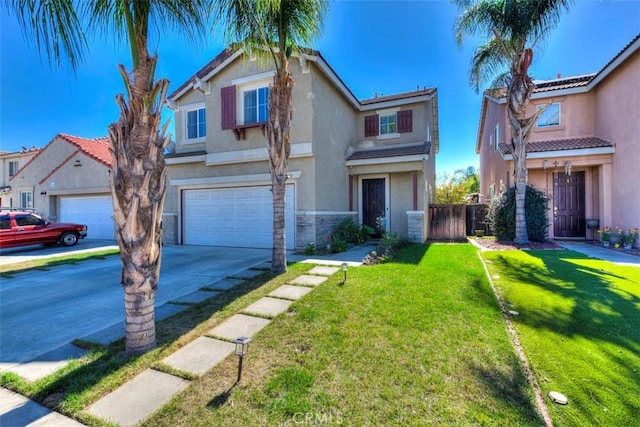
x: 388, y: 124
x: 496, y: 137
x: 14, y: 165
x: 196, y: 124
x: 550, y: 116
x: 256, y: 105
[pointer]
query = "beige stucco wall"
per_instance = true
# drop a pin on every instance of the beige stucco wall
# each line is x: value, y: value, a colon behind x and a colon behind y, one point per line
x: 61, y: 177
x: 617, y: 106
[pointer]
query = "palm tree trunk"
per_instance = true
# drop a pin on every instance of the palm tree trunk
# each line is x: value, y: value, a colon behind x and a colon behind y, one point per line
x: 279, y: 147
x: 520, y: 87
x: 138, y: 185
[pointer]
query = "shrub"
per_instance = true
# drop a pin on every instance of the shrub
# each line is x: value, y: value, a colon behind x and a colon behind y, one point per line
x: 337, y: 244
x: 351, y: 232
x: 310, y: 249
x: 502, y: 214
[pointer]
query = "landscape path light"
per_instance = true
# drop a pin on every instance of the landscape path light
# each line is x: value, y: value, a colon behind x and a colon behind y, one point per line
x: 344, y: 270
x: 242, y: 348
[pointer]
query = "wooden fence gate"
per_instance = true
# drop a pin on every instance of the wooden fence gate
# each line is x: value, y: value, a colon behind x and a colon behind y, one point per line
x: 454, y: 222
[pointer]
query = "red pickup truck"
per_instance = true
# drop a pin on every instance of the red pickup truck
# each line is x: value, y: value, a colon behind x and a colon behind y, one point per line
x: 21, y: 227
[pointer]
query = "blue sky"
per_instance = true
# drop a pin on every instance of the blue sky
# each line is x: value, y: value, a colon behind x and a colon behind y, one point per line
x: 374, y: 46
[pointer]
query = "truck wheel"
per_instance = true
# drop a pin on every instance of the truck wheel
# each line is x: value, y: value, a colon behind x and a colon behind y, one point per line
x: 69, y: 239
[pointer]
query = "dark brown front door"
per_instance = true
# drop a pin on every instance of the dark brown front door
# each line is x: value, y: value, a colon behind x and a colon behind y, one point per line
x: 373, y: 201
x: 568, y: 205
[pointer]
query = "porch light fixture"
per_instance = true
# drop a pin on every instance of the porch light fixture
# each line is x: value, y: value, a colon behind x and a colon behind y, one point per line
x: 545, y: 164
x: 567, y: 167
x: 242, y: 348
x: 344, y: 270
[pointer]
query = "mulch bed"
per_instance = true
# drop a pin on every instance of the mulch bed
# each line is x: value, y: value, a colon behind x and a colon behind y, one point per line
x: 491, y: 244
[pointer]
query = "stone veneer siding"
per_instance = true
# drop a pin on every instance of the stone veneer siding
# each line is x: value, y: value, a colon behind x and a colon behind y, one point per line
x: 316, y: 227
x: 415, y: 225
x: 170, y: 228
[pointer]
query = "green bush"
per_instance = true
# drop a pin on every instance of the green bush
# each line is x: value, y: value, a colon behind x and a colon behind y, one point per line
x: 502, y: 214
x: 337, y: 244
x: 310, y: 249
x: 349, y: 231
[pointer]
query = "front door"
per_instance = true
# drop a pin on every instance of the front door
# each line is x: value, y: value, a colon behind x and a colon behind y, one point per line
x: 373, y: 202
x: 568, y: 205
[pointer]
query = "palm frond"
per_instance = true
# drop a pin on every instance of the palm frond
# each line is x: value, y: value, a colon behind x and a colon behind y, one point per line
x: 488, y: 60
x: 54, y: 26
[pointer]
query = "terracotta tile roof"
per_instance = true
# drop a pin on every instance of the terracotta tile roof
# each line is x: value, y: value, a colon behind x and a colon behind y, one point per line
x: 97, y: 148
x: 406, y: 150
x: 395, y: 96
x: 560, y: 145
x: 202, y: 72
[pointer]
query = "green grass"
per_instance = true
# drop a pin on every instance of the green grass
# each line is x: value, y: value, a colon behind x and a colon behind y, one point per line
x: 7, y: 270
x: 579, y: 324
x: 420, y: 341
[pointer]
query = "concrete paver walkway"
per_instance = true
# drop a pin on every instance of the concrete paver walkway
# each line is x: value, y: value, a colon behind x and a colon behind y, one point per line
x: 595, y: 251
x: 135, y: 400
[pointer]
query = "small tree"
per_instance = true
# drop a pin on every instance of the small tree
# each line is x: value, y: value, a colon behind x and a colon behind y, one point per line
x: 502, y: 210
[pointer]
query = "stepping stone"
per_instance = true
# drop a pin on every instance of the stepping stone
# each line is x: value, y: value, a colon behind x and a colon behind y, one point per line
x: 247, y: 274
x: 48, y: 363
x: 307, y: 280
x: 323, y: 270
x: 195, y: 297
x: 225, y: 284
x: 17, y: 410
x: 291, y: 292
x: 269, y: 307
x: 239, y: 325
x: 200, y: 355
x: 135, y: 400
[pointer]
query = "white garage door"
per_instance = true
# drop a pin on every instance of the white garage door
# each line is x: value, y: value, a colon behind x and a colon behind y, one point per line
x: 94, y: 211
x: 238, y: 217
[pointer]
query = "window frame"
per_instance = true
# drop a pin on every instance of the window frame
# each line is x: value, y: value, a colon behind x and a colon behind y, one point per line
x: 197, y: 107
x: 549, y: 126
x: 496, y: 137
x: 28, y: 194
x: 387, y: 112
x: 256, y: 88
x: 14, y: 166
x: 381, y: 125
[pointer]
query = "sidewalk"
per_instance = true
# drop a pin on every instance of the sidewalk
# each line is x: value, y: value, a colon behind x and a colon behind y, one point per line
x: 137, y: 399
x: 595, y: 251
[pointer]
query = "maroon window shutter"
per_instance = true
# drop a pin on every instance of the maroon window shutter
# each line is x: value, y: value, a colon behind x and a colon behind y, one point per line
x: 405, y: 121
x: 371, y: 125
x: 228, y: 96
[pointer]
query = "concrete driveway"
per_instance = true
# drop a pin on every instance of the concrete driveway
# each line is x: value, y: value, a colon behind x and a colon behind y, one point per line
x: 41, y: 311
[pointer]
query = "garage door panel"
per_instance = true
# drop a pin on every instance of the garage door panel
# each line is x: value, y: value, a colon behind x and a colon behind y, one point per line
x: 94, y: 211
x: 240, y: 217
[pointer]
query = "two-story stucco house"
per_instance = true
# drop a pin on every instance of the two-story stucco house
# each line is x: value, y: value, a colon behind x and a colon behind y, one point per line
x: 10, y: 164
x: 68, y: 181
x: 584, y: 150
x: 349, y: 158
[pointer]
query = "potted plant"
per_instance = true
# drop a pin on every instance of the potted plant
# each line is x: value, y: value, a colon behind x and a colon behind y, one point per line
x: 629, y: 237
x: 605, y: 235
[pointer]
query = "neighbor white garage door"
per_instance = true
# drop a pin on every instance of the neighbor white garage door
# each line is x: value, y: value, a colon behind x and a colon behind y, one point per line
x: 94, y: 211
x: 238, y: 217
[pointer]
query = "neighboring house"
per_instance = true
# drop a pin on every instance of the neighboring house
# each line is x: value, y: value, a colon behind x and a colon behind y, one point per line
x: 584, y: 150
x: 349, y: 158
x: 10, y: 164
x: 68, y: 181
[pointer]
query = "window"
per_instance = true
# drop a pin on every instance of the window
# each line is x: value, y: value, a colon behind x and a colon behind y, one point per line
x: 14, y: 165
x: 256, y: 105
x: 496, y: 137
x: 550, y: 116
x: 26, y: 199
x: 29, y: 219
x: 5, y: 222
x: 388, y: 124
x: 492, y: 191
x: 196, y: 124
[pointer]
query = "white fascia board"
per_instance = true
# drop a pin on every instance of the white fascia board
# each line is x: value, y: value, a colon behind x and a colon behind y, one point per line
x: 229, y: 181
x: 388, y: 160
x: 303, y: 149
x: 302, y: 213
x: 561, y: 92
x: 199, y: 158
x: 395, y: 103
x: 324, y: 67
x: 207, y: 77
x: 619, y: 60
x: 566, y: 153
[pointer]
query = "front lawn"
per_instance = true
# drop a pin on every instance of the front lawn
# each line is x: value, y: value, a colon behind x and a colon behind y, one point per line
x: 419, y: 341
x: 579, y: 324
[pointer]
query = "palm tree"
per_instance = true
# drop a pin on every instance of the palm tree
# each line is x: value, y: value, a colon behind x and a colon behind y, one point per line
x: 513, y: 28
x: 138, y: 179
x: 275, y: 29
